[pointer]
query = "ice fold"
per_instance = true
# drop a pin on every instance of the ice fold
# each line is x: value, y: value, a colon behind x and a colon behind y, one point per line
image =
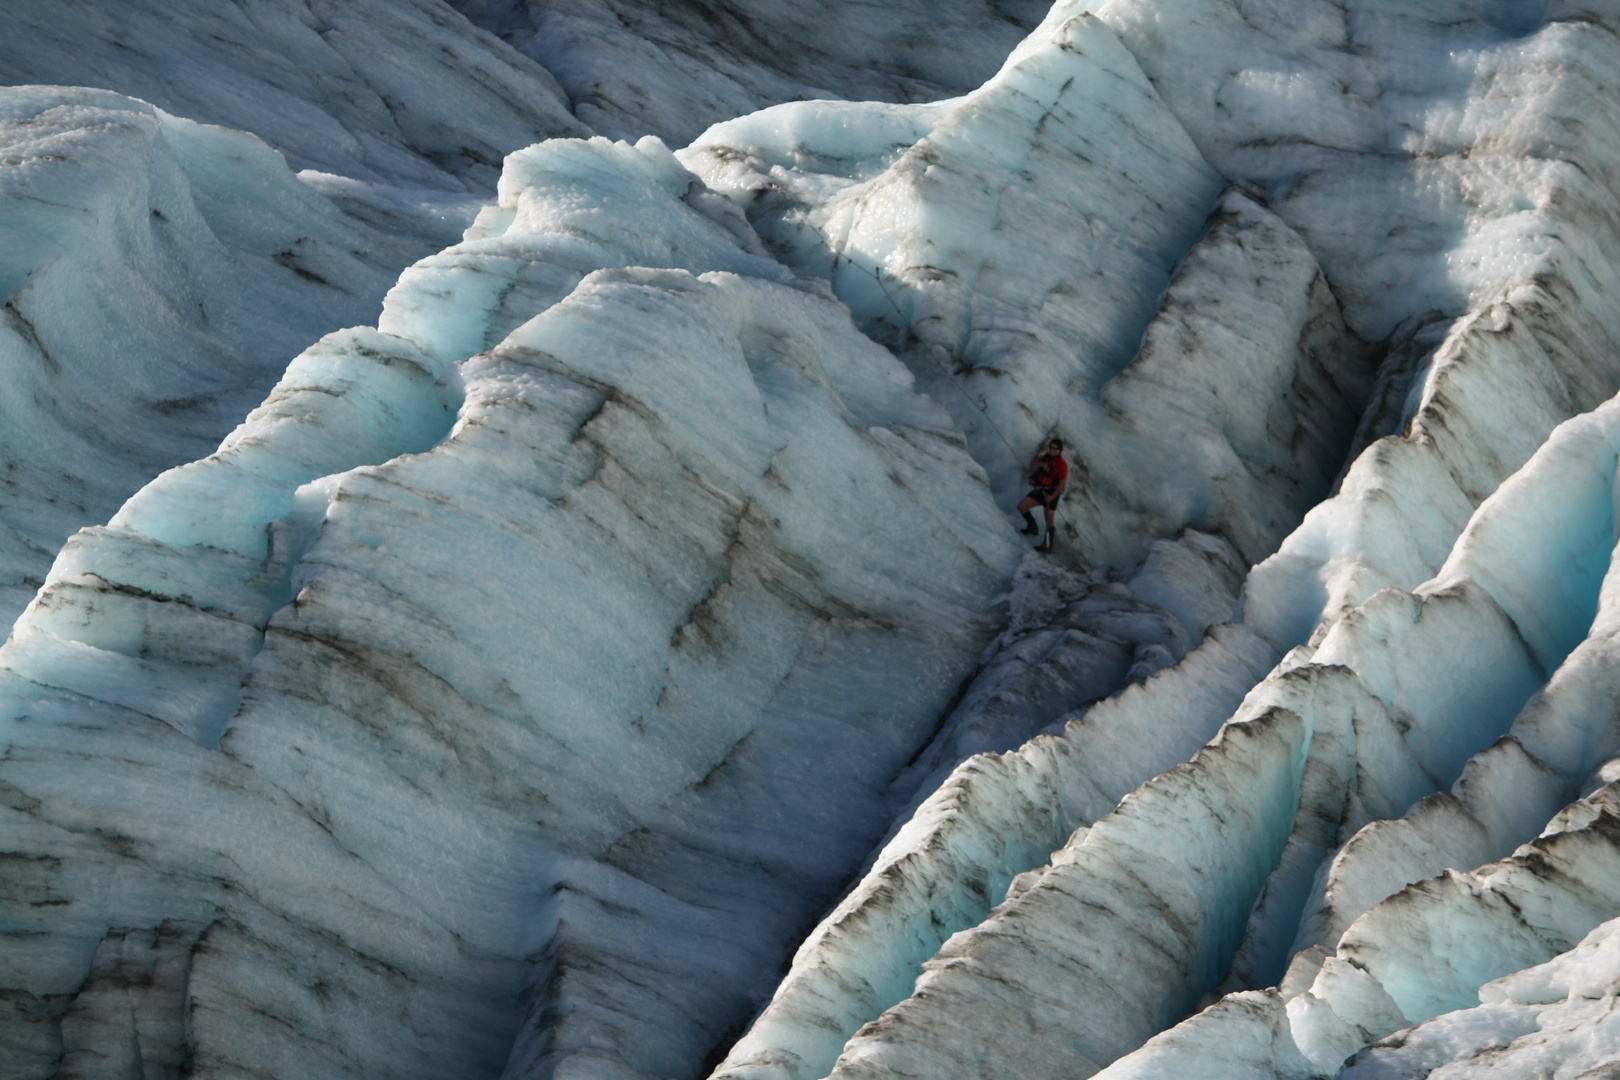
x: 1421, y: 951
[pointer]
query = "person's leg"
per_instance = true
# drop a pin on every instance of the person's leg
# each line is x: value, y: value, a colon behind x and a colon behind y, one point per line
x: 1030, y: 528
x: 1050, y: 505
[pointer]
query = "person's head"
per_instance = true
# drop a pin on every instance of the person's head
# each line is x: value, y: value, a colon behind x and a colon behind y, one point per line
x: 1054, y: 447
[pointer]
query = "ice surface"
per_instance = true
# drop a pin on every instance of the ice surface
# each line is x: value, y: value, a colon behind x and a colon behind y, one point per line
x: 633, y: 68
x: 1428, y: 948
x: 1444, y: 456
x: 616, y: 658
x: 999, y: 816
x: 644, y: 455
x: 1397, y: 695
x: 189, y: 263
x: 1116, y: 940
x: 398, y: 94
x: 157, y: 275
x: 1552, y: 1019
x: 940, y: 252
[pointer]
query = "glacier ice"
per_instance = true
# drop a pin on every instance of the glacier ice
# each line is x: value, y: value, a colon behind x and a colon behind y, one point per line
x: 938, y: 252
x: 633, y: 68
x: 228, y: 579
x: 157, y: 273
x: 393, y: 94
x: 613, y: 657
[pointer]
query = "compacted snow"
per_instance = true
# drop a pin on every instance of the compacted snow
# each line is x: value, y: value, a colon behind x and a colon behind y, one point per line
x: 507, y: 512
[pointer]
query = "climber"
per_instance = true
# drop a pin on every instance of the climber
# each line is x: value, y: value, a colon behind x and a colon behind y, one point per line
x: 1048, y: 477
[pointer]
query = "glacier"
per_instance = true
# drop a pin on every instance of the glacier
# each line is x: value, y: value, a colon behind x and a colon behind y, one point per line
x: 509, y: 553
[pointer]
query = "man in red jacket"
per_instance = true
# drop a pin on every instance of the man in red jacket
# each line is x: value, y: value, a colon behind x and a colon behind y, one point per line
x: 1048, y: 477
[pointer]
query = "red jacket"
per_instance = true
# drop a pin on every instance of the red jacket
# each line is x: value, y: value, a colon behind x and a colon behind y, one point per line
x: 1050, y: 472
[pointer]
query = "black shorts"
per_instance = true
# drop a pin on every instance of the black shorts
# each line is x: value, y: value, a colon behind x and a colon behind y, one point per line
x: 1044, y: 496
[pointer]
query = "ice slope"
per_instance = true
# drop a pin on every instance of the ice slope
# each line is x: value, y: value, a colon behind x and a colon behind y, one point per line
x: 634, y: 68
x: 390, y: 94
x: 932, y: 233
x: 1470, y: 400
x: 157, y: 273
x: 696, y: 488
